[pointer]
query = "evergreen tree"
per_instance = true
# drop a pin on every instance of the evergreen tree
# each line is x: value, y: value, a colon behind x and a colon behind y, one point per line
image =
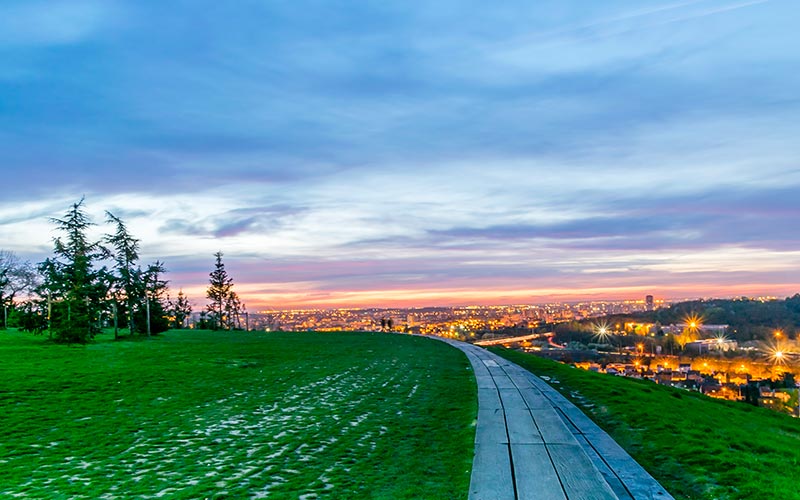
x: 71, y: 283
x: 218, y: 291
x: 181, y: 310
x: 225, y: 307
x: 204, y: 323
x: 32, y: 317
x: 127, y: 284
x: 154, y: 317
x: 234, y: 308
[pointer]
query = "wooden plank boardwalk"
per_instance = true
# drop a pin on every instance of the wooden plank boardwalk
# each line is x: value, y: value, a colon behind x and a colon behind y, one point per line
x: 532, y: 443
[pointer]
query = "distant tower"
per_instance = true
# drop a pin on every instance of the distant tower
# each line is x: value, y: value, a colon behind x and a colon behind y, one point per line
x: 648, y: 302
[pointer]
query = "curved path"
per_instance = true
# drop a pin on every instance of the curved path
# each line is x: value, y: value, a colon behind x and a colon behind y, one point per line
x: 532, y: 443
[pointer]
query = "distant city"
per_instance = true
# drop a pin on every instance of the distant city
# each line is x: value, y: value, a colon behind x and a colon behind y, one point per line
x: 475, y: 319
x: 470, y: 319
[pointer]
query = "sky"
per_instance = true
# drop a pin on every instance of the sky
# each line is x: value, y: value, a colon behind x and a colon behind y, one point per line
x: 402, y: 153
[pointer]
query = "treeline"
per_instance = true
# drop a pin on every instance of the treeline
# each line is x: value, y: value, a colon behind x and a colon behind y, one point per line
x: 88, y: 285
x: 748, y: 319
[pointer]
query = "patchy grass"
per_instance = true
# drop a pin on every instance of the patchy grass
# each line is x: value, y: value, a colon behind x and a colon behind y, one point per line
x: 696, y: 446
x: 259, y: 415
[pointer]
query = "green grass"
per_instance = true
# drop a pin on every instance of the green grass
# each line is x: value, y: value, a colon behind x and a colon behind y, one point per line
x: 697, y: 447
x: 237, y: 415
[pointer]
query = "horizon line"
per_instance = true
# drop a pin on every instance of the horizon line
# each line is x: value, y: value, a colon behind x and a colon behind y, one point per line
x: 665, y: 301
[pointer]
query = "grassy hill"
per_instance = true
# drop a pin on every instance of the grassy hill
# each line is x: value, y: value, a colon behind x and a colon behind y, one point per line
x: 229, y: 414
x: 697, y: 447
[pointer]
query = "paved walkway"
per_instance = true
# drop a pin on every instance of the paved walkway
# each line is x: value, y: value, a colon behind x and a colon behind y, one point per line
x: 532, y: 443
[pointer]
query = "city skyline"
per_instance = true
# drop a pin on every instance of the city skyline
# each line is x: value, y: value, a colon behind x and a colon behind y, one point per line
x: 414, y: 155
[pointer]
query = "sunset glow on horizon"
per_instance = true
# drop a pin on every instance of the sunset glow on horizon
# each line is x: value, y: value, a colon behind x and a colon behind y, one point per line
x: 456, y: 297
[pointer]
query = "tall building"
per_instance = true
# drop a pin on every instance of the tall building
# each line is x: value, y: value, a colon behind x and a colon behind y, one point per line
x: 648, y: 302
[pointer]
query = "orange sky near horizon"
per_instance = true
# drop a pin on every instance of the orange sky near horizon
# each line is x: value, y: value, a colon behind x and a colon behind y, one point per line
x: 447, y: 297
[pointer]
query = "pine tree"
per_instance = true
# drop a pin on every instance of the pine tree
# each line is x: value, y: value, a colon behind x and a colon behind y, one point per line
x: 71, y: 284
x: 127, y: 285
x: 181, y: 310
x: 218, y: 292
x: 154, y: 317
x: 234, y: 308
x: 225, y: 306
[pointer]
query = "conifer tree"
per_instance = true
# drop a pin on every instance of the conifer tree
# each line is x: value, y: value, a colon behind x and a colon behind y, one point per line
x: 154, y: 318
x: 71, y: 283
x: 225, y: 307
x: 234, y: 308
x: 127, y: 284
x: 181, y: 310
x: 219, y: 288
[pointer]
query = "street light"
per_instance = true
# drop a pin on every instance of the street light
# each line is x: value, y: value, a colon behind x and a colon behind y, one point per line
x: 777, y: 355
x: 693, y: 322
x: 601, y: 331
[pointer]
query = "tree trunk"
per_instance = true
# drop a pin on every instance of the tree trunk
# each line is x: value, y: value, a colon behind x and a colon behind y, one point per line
x: 130, y: 317
x: 147, y: 304
x: 116, y: 322
x: 49, y: 313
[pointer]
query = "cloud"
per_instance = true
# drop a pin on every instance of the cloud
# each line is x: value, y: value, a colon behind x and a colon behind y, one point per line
x: 712, y: 11
x: 261, y: 220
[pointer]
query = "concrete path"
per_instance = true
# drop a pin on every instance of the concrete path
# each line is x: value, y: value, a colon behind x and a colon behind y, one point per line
x: 532, y: 443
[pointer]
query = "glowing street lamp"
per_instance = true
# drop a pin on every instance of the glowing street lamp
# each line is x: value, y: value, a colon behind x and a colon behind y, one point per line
x: 777, y: 355
x: 602, y: 331
x: 693, y: 322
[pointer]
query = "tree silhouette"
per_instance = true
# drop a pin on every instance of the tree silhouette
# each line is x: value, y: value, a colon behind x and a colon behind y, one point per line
x: 181, y: 309
x: 225, y: 307
x: 16, y: 276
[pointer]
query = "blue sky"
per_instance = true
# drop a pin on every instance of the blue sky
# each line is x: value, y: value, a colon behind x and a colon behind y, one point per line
x: 357, y: 153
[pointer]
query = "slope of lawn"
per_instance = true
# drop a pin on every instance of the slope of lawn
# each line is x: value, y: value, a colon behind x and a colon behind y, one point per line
x: 696, y: 446
x: 195, y: 414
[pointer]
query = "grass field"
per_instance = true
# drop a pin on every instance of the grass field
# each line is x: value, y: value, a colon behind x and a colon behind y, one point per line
x: 697, y: 447
x: 237, y: 415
